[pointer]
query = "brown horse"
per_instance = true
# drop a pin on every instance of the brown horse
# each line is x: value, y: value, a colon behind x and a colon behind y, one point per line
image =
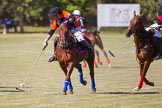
x: 145, y: 50
x: 69, y: 57
x: 96, y: 40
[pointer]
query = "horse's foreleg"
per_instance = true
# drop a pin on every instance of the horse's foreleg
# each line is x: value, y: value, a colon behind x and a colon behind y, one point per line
x: 91, y: 68
x: 67, y: 82
x: 82, y: 81
x: 143, y: 70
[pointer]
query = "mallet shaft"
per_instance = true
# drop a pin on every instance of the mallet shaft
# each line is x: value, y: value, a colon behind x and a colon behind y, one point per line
x: 121, y: 47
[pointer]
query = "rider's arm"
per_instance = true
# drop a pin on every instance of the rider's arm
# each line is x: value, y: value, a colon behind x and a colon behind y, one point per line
x: 50, y: 33
x: 82, y: 25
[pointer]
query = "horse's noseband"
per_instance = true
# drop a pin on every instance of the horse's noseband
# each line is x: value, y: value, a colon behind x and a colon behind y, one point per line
x: 134, y: 28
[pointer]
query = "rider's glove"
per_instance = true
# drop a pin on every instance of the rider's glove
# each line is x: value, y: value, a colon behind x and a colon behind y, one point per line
x: 45, y: 43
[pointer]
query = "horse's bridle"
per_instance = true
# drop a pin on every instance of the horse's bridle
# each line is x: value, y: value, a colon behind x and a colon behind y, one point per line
x: 66, y: 43
x: 133, y: 29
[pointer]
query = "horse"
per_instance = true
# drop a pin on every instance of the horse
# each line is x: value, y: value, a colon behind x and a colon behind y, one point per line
x: 145, y: 49
x: 69, y: 57
x: 95, y: 39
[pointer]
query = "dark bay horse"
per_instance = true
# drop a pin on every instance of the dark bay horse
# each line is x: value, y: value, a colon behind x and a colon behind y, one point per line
x: 69, y: 57
x: 145, y: 50
x: 95, y: 39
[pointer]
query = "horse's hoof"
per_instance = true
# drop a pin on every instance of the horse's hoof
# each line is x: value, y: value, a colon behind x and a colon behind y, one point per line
x: 101, y: 63
x: 152, y: 84
x: 136, y: 89
x: 109, y: 65
x: 93, y: 90
x: 84, y: 82
x: 71, y: 92
x: 64, y: 93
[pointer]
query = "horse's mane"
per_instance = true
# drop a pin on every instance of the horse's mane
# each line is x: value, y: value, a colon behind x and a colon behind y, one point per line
x: 65, y: 35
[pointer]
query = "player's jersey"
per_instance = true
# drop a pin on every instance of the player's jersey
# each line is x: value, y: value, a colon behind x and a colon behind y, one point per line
x: 82, y: 21
x: 64, y: 16
x: 159, y: 18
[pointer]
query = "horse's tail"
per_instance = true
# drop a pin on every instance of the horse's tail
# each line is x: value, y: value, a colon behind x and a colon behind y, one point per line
x: 96, y: 33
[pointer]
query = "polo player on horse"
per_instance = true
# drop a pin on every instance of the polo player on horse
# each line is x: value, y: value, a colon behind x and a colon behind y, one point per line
x: 156, y: 28
x: 74, y: 26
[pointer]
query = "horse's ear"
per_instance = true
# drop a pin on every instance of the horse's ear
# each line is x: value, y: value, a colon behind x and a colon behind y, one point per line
x: 134, y: 13
x: 142, y: 14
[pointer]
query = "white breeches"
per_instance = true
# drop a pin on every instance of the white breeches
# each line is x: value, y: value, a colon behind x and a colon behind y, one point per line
x: 77, y: 33
x: 157, y: 33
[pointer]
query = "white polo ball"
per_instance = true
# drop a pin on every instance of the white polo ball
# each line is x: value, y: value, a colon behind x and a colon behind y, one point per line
x: 21, y: 85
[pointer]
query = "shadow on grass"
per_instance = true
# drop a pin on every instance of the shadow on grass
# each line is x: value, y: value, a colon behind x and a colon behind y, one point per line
x: 123, y: 67
x: 116, y: 67
x: 128, y: 93
x: 9, y: 89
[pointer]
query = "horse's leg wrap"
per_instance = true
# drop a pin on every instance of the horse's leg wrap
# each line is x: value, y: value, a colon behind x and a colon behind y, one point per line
x: 93, y: 85
x: 140, y: 82
x: 66, y: 83
x: 81, y: 78
x: 84, y: 64
x: 107, y: 59
x: 70, y: 85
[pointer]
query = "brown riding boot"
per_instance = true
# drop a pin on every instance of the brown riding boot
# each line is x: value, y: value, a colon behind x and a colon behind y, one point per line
x: 53, y: 58
x: 87, y: 46
x: 158, y: 46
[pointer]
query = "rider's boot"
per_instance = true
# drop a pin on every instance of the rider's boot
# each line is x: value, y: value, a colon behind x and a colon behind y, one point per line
x: 87, y: 46
x: 53, y: 58
x: 158, y: 46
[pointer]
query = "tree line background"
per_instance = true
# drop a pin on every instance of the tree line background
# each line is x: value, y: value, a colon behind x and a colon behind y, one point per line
x: 35, y: 12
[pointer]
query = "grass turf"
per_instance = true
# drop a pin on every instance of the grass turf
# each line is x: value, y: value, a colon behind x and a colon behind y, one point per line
x: 45, y: 83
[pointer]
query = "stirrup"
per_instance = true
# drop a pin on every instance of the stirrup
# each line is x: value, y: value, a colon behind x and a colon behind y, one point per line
x: 157, y: 57
x: 53, y: 58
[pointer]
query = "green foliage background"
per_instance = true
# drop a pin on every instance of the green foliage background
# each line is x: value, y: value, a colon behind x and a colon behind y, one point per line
x: 34, y: 12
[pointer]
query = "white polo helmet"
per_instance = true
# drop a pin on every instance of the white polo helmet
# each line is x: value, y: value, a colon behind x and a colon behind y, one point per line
x: 76, y: 12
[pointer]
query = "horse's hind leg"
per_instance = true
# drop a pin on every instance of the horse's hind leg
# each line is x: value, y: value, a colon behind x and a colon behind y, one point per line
x: 97, y: 57
x: 100, y: 45
x: 82, y: 81
x: 107, y: 58
x: 148, y: 82
x: 84, y: 64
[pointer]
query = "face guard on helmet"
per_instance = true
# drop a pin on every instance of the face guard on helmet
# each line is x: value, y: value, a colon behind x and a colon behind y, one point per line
x: 54, y: 11
x: 76, y: 12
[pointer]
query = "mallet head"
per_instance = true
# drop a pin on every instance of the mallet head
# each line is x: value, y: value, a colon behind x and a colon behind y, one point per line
x: 111, y: 53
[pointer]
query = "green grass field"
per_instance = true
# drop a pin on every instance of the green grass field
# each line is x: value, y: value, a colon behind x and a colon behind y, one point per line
x: 44, y: 85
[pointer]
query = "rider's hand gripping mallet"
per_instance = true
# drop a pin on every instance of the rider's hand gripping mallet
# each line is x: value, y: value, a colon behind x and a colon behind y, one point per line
x: 22, y: 84
x: 112, y: 53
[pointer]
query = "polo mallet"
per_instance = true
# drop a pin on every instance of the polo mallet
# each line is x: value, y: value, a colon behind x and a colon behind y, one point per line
x: 22, y: 84
x: 112, y: 53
